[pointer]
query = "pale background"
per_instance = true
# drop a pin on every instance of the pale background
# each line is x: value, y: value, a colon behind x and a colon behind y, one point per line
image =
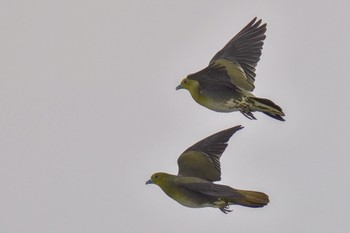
x: 89, y: 111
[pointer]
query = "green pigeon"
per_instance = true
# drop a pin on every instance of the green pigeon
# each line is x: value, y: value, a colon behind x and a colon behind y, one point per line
x: 226, y: 84
x: 199, y: 167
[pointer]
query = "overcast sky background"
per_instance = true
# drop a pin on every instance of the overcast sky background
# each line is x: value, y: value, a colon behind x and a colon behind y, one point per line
x: 89, y: 112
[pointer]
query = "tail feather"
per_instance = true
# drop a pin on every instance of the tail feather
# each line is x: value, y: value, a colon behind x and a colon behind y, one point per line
x: 275, y: 116
x: 252, y: 199
x: 269, y: 108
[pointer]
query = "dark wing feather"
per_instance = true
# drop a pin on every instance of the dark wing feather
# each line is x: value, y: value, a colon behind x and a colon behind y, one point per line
x: 207, y: 188
x: 202, y: 160
x: 245, y: 49
x: 214, y: 80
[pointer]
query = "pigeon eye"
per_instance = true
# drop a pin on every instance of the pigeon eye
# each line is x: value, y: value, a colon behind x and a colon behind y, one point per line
x: 185, y: 81
x: 156, y: 176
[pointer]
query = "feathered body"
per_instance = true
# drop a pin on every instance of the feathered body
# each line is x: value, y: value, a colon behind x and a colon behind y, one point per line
x: 195, y: 192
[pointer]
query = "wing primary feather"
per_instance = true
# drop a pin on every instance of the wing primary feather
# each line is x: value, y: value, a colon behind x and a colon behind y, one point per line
x: 245, y: 48
x: 203, y: 158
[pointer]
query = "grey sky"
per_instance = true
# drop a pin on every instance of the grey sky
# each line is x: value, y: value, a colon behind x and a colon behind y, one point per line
x: 89, y: 111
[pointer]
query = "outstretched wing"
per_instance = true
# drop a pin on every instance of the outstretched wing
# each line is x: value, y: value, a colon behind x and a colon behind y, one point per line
x: 202, y: 160
x: 241, y: 54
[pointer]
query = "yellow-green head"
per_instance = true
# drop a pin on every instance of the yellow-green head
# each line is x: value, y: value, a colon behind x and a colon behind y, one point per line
x: 158, y: 178
x: 188, y: 84
x: 192, y: 86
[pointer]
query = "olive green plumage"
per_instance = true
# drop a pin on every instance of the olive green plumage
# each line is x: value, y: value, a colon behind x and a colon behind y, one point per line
x: 199, y: 167
x: 226, y: 84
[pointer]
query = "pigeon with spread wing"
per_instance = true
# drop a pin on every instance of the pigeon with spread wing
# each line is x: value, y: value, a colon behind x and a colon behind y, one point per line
x: 225, y: 85
x: 199, y: 167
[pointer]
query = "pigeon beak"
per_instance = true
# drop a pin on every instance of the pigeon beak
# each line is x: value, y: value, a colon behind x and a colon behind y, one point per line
x: 150, y: 181
x: 179, y: 87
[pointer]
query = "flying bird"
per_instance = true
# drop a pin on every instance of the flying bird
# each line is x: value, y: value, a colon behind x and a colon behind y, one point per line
x: 226, y: 84
x: 199, y: 167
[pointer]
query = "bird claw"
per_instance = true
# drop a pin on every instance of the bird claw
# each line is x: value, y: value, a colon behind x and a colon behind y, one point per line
x: 225, y: 209
x: 248, y: 115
